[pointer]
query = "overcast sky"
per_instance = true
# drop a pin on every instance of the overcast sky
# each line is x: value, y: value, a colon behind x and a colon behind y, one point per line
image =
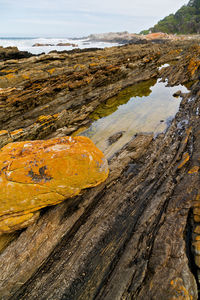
x: 67, y: 18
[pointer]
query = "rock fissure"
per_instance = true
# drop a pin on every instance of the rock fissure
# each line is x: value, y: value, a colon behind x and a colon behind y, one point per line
x: 188, y: 244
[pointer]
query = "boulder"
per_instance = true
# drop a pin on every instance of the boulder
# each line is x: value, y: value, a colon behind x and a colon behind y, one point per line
x: 36, y: 174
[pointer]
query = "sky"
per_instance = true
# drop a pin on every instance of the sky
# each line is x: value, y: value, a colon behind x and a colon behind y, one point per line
x: 78, y: 18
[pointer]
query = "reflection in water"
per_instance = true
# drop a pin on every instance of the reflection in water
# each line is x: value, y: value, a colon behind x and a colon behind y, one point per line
x: 146, y: 110
x: 138, y: 90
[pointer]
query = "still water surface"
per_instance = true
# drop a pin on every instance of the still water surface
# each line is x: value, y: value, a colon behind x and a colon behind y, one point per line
x: 147, y: 107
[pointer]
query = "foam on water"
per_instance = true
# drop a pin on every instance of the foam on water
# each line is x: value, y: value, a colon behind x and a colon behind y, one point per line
x: 26, y: 44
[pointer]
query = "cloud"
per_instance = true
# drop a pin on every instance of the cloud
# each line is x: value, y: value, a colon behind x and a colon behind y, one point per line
x: 80, y: 17
x: 125, y: 7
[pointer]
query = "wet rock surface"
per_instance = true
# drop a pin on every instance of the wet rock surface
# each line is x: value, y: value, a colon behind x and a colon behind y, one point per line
x: 127, y: 238
x: 115, y: 137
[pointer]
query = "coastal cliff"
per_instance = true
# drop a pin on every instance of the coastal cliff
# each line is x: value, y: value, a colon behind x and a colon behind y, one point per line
x: 136, y: 235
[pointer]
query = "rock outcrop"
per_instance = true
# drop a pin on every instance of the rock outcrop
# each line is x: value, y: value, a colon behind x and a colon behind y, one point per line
x: 13, y: 53
x: 35, y: 174
x: 136, y: 235
x: 51, y: 95
x: 66, y: 45
x: 59, y: 45
x: 117, y: 37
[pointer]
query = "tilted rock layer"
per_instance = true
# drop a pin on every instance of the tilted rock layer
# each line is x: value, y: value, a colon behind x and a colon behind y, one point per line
x: 126, y: 238
x: 35, y: 174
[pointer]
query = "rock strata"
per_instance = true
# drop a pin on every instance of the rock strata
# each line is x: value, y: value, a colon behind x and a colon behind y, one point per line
x: 136, y: 235
x: 54, y: 94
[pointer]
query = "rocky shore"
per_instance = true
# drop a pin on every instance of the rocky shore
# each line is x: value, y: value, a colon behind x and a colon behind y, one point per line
x: 136, y: 235
x: 132, y: 38
x: 117, y: 37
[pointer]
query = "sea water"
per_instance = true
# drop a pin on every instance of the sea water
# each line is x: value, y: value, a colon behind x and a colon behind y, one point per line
x: 26, y: 44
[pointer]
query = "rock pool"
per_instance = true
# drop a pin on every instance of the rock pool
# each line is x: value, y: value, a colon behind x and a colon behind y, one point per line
x: 146, y: 107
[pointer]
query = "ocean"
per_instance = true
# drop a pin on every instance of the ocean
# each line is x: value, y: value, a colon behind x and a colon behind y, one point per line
x: 26, y: 44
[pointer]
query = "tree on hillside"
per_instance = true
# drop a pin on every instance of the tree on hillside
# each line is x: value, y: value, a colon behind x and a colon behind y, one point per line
x: 185, y: 21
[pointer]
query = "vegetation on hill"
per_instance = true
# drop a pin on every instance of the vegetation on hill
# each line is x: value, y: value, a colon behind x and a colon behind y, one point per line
x: 185, y: 21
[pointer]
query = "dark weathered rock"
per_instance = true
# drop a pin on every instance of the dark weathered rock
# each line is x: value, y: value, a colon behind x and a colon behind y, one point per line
x: 59, y: 44
x: 136, y: 235
x: 66, y: 44
x: 177, y: 94
x: 13, y: 53
x: 115, y: 137
x: 42, y: 45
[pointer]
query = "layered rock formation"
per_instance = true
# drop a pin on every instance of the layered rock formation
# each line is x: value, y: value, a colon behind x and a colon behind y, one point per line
x: 54, y: 94
x: 35, y: 174
x: 135, y: 235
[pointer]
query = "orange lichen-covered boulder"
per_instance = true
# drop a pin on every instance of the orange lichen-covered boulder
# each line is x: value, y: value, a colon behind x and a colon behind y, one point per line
x: 35, y: 174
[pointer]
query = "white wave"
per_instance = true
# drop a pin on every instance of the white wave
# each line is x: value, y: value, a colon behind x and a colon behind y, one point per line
x: 26, y: 44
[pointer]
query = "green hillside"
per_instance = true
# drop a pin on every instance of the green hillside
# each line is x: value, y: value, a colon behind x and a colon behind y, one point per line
x: 185, y: 21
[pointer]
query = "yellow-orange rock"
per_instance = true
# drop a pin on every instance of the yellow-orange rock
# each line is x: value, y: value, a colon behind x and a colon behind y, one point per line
x: 35, y: 174
x: 156, y: 35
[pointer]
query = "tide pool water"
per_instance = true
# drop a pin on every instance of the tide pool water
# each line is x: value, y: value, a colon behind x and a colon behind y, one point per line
x: 149, y: 109
x: 26, y: 44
